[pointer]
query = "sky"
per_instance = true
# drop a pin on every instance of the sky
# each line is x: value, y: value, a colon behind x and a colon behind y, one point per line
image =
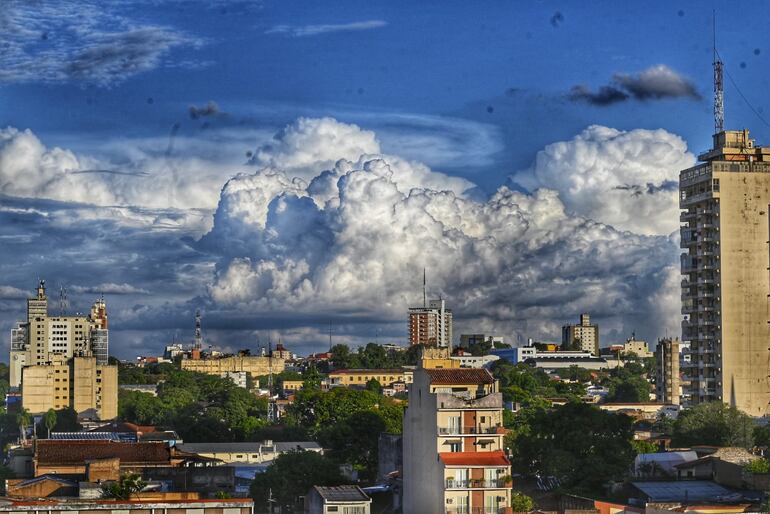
x: 291, y: 167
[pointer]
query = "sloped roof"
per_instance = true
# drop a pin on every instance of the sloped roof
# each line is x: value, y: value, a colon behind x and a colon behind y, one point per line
x: 497, y: 458
x: 459, y: 376
x: 51, y: 452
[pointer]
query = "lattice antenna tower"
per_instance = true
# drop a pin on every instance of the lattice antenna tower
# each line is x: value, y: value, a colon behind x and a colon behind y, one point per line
x: 719, y: 90
x: 198, y: 341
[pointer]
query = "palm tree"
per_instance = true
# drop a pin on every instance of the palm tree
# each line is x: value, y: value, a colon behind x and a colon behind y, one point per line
x: 49, y: 419
x: 23, y: 419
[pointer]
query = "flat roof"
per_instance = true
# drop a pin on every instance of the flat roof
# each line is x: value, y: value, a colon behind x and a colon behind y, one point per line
x: 685, y: 490
x: 247, y: 447
x: 342, y: 493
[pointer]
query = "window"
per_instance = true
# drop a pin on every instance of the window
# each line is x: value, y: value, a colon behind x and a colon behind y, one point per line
x: 353, y: 510
x: 455, y: 447
x: 331, y: 508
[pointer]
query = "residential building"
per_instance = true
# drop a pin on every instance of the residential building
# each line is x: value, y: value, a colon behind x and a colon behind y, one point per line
x: 280, y: 352
x: 726, y: 286
x: 36, y: 340
x: 431, y: 325
x: 78, y: 382
x: 254, y: 365
x: 359, y: 377
x: 342, y: 499
x: 248, y: 453
x: 178, y: 506
x: 467, y: 340
x: 637, y: 347
x: 583, y: 336
x: 74, y: 458
x: 453, y: 444
x: 667, y: 382
x: 467, y: 360
x: 515, y: 355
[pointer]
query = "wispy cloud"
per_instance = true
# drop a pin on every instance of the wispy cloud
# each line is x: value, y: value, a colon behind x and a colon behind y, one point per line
x: 655, y: 83
x: 67, y: 42
x: 109, y: 288
x: 316, y: 30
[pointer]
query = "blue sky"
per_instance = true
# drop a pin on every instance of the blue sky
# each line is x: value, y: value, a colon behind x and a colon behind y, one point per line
x: 193, y: 90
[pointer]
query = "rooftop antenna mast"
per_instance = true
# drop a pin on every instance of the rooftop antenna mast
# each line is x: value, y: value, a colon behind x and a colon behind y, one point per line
x: 62, y: 300
x: 424, y: 290
x: 719, y: 93
x: 198, y: 343
x: 330, y: 336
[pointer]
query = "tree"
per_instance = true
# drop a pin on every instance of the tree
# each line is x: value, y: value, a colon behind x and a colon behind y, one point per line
x: 374, y: 386
x: 373, y: 356
x: 566, y: 441
x: 23, y: 419
x: 124, y: 487
x: 291, y: 475
x: 49, y: 420
x: 521, y: 502
x: 645, y: 446
x: 341, y: 357
x: 713, y: 423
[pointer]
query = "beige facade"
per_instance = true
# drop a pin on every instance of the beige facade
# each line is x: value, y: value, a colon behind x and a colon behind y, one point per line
x: 725, y: 287
x: 256, y: 366
x: 359, y: 377
x: 584, y: 332
x: 667, y: 381
x: 453, y: 444
x: 229, y: 506
x: 42, y: 337
x: 89, y: 388
x: 637, y: 347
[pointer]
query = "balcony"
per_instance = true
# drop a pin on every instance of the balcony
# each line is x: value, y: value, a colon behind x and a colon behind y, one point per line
x: 476, y: 510
x: 478, y: 484
x: 467, y: 430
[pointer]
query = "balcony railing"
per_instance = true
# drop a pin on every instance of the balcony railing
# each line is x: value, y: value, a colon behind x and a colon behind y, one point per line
x: 475, y: 510
x: 477, y: 484
x: 466, y: 430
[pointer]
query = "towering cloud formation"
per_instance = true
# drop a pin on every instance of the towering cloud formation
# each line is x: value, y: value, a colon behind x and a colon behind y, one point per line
x: 329, y: 227
x: 352, y: 240
x: 625, y: 179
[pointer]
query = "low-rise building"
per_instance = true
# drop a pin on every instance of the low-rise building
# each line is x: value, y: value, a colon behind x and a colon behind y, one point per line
x: 359, y: 377
x: 254, y: 365
x: 248, y: 453
x: 195, y: 506
x: 344, y: 499
x: 474, y: 361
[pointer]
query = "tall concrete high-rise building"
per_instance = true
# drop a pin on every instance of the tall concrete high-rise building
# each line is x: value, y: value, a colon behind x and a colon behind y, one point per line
x: 725, y: 200
x: 584, y: 335
x: 667, y: 380
x: 41, y: 337
x: 431, y: 325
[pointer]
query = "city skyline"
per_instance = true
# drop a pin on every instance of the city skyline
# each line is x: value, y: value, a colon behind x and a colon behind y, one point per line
x: 533, y: 173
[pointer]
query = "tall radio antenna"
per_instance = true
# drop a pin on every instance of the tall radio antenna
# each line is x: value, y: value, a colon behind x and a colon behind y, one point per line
x: 719, y: 92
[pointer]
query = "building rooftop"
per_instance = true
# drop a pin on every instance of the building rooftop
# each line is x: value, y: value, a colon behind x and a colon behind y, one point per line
x: 367, y: 371
x: 75, y: 504
x: 459, y: 376
x: 51, y: 452
x: 342, y: 493
x: 280, y: 447
x: 497, y: 458
x: 678, y: 491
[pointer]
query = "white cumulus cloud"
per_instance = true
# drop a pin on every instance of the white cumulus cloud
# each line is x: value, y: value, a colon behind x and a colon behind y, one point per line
x: 625, y: 179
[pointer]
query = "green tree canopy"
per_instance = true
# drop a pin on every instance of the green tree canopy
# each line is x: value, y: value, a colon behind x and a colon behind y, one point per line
x: 713, y: 423
x: 292, y: 475
x: 566, y: 441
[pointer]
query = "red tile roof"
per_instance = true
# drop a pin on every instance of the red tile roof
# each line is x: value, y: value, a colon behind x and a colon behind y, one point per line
x: 497, y: 458
x: 52, y: 452
x: 460, y: 376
